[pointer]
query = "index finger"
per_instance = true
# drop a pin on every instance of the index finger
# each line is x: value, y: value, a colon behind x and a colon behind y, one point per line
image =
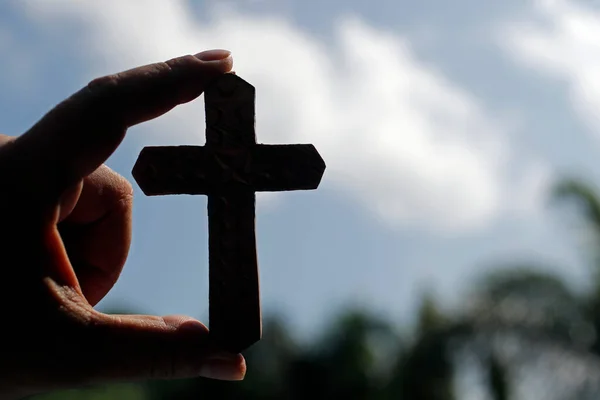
x: 79, y: 134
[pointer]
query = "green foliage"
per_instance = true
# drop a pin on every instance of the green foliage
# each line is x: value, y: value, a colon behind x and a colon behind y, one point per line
x: 587, y: 205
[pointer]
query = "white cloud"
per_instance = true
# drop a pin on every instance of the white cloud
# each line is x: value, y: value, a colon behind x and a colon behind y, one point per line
x: 562, y: 42
x: 397, y: 136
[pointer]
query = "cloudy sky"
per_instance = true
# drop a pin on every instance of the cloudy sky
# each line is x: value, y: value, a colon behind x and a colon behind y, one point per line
x: 442, y: 125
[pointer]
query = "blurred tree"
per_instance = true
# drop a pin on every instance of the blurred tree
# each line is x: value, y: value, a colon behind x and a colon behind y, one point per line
x: 587, y: 204
x: 521, y: 320
x: 424, y: 370
x: 344, y: 362
x: 525, y: 332
x: 516, y: 323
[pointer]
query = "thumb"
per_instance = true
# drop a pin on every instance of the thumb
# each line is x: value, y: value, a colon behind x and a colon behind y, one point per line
x: 139, y: 347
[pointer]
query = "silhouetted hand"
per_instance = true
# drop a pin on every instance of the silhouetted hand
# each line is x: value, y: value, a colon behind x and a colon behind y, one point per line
x: 65, y: 230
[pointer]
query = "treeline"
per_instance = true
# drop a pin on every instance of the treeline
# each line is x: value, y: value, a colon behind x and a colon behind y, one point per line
x: 521, y: 334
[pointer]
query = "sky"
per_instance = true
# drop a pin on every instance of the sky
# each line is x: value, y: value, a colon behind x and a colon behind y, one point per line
x: 443, y: 126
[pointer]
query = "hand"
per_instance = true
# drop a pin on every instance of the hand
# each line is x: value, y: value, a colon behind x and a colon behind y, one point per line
x: 65, y: 229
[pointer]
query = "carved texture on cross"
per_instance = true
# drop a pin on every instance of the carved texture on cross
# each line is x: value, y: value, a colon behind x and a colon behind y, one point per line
x: 229, y: 169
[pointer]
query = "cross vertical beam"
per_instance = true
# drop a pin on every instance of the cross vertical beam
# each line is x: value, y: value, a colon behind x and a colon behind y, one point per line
x: 234, y: 309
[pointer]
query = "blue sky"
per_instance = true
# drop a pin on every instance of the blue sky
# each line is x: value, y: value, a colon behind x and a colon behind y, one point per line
x: 442, y: 125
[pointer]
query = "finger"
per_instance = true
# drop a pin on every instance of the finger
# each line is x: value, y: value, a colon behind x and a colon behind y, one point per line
x: 97, y: 232
x: 141, y: 347
x: 78, y: 135
x: 4, y: 139
x: 69, y: 200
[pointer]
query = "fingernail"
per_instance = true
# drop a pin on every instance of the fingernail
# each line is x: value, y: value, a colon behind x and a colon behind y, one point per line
x: 224, y: 368
x: 213, y: 55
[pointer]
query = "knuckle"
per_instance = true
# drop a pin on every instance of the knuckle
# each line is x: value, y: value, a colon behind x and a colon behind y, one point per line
x: 167, y: 358
x: 7, y: 156
x: 99, y: 99
x: 115, y: 187
x: 123, y: 189
x: 125, y: 192
x: 72, y: 305
x: 181, y: 61
x: 104, y: 82
x: 5, y: 139
x: 127, y: 189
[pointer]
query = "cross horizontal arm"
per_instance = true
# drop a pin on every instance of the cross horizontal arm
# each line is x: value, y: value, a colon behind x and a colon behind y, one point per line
x: 281, y: 167
x: 163, y: 170
x: 206, y: 170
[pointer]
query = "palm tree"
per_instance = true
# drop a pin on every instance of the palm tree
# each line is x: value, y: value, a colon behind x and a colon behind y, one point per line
x: 346, y: 362
x: 587, y: 203
x: 529, y: 323
x: 424, y: 369
x: 528, y: 332
x: 524, y: 332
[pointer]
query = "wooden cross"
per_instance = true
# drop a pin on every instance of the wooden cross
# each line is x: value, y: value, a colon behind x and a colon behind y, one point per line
x: 229, y: 169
